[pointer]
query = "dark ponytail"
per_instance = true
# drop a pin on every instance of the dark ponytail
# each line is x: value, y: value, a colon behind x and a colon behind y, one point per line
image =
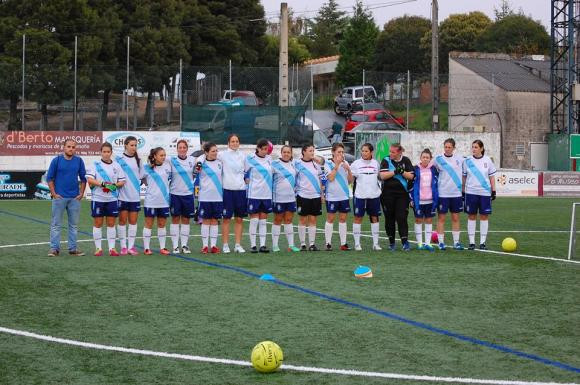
x: 152, y: 153
x: 480, y: 144
x: 129, y: 139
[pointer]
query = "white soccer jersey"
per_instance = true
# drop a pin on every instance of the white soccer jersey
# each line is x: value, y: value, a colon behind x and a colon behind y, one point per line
x: 478, y: 172
x: 210, y: 181
x: 181, y: 170
x: 260, y: 175
x: 366, y: 173
x: 157, y: 179
x: 337, y: 190
x: 284, y: 177
x: 233, y: 169
x: 131, y: 191
x: 450, y: 170
x: 308, y: 179
x: 113, y: 173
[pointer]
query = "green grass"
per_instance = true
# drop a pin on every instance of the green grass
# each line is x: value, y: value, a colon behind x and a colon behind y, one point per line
x: 420, y: 115
x: 169, y: 304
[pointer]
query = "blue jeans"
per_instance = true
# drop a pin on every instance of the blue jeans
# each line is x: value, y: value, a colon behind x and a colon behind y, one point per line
x: 73, y: 208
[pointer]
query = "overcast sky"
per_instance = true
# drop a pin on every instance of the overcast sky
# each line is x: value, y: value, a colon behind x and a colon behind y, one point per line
x: 537, y: 9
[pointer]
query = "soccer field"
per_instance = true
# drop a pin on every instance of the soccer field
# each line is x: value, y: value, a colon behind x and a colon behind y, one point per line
x: 453, y: 316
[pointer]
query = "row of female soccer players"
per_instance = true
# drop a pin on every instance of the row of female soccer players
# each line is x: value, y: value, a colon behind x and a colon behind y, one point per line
x: 285, y: 186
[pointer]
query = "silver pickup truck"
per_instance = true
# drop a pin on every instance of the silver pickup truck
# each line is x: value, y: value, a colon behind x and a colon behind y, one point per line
x: 351, y: 96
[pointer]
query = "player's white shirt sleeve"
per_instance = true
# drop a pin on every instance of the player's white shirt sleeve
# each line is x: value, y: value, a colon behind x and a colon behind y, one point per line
x: 233, y: 169
x: 283, y: 190
x: 115, y: 173
x: 447, y: 186
x: 154, y: 197
x: 259, y: 186
x: 208, y: 190
x: 304, y: 186
x: 334, y: 189
x: 178, y: 185
x: 472, y: 183
x: 129, y: 193
x: 367, y: 182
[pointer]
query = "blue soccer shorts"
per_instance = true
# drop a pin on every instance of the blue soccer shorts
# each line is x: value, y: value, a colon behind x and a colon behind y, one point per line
x: 182, y: 205
x: 477, y: 203
x: 104, y: 209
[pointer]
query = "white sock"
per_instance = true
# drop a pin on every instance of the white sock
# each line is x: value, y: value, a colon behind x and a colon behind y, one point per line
x: 302, y: 234
x: 263, y: 230
x: 184, y: 234
x: 428, y: 232
x: 342, y: 232
x: 146, y: 237
x: 213, y: 235
x: 375, y: 233
x: 254, y: 222
x: 312, y: 234
x: 455, y: 236
x: 97, y: 236
x: 441, y: 237
x: 161, y: 234
x: 132, y: 235
x: 419, y: 233
x: 471, y: 230
x: 174, y: 233
x: 356, y: 233
x: 289, y: 230
x: 204, y: 234
x: 275, y: 235
x: 328, y: 229
x: 122, y: 231
x: 111, y: 235
x: 483, y: 226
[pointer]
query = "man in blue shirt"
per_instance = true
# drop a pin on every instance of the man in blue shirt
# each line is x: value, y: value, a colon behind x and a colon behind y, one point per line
x: 63, y: 180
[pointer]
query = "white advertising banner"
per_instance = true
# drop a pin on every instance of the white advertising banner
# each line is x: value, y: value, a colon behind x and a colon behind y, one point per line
x: 517, y: 183
x: 146, y: 140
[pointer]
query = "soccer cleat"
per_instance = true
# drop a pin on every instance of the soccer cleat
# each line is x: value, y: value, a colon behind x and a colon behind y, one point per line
x: 205, y: 250
x: 377, y: 248
x: 185, y: 250
x: 164, y: 251
x: 428, y: 248
x: 99, y: 253
x: 345, y: 247
x: 239, y: 249
x: 482, y: 246
x: 328, y: 247
x: 313, y: 248
x: 303, y: 248
x: 53, y: 253
x: 113, y: 253
x: 458, y: 246
x: 214, y: 250
x: 357, y: 248
x: 264, y: 249
x: 226, y: 248
x: 253, y: 249
x: 124, y: 251
x: 76, y: 253
x: 175, y: 250
x: 275, y: 249
x: 442, y: 246
x: 392, y: 247
x: 406, y: 246
x: 133, y: 251
x: 148, y: 252
x: 293, y: 249
x: 420, y: 246
x: 471, y: 246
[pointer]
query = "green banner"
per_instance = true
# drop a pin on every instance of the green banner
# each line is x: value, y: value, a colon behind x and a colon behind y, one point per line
x: 379, y: 139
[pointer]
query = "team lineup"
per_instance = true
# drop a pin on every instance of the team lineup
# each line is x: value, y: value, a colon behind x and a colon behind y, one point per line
x: 232, y: 184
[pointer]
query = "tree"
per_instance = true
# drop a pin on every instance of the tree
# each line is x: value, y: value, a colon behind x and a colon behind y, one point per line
x: 515, y: 34
x: 505, y: 9
x: 357, y: 47
x: 399, y: 45
x: 327, y: 30
x: 297, y: 52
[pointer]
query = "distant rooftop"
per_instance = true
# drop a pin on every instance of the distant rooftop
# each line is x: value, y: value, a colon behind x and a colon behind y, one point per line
x: 321, y: 60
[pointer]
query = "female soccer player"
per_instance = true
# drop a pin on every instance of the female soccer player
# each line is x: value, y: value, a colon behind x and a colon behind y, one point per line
x: 284, y: 198
x: 308, y: 199
x: 449, y: 166
x: 337, y: 195
x: 129, y: 196
x: 259, y: 169
x: 181, y: 191
x: 367, y: 192
x: 105, y: 177
x: 156, y: 174
x: 211, y: 197
x: 479, y: 188
x: 425, y: 198
x: 396, y: 173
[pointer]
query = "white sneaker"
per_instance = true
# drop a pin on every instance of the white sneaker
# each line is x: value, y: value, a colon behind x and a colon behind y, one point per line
x: 226, y: 248
x: 357, y: 248
x: 239, y: 249
x: 185, y: 250
x: 175, y: 250
x: 377, y: 248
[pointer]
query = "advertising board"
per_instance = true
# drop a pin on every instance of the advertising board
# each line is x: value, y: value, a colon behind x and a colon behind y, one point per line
x: 561, y: 184
x: 517, y: 183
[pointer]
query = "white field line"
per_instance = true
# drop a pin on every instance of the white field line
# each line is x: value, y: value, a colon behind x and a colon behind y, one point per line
x: 345, y: 372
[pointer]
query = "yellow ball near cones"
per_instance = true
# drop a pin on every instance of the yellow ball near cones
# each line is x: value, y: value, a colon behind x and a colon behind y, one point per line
x: 267, y: 357
x: 509, y: 245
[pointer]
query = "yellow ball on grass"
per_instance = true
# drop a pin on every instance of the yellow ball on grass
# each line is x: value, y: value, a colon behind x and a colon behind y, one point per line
x: 267, y: 357
x: 509, y: 245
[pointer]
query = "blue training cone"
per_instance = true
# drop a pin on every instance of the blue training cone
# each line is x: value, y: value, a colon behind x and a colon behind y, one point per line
x: 363, y: 272
x: 267, y: 277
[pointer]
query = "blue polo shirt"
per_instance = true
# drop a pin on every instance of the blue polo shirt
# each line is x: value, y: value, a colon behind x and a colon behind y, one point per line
x: 66, y: 174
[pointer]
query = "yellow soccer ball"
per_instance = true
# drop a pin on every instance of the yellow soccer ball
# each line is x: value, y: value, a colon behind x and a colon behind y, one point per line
x: 267, y: 357
x: 509, y: 245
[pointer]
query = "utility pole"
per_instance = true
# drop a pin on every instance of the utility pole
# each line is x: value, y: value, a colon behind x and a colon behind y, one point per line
x: 75, y: 92
x: 435, y: 65
x: 283, y: 63
x: 23, y: 76
x: 127, y: 91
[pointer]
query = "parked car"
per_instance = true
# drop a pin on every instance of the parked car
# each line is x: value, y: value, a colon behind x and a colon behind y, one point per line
x: 379, y: 115
x: 247, y: 98
x: 370, y: 126
x: 349, y: 97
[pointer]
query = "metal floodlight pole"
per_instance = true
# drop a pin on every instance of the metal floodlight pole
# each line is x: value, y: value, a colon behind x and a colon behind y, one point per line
x: 312, y: 95
x: 75, y: 91
x: 127, y: 91
x: 363, y: 91
x: 230, y: 88
x: 23, y: 75
x: 180, y: 94
x: 408, y: 96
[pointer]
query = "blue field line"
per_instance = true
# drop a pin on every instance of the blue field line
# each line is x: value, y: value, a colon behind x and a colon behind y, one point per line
x: 382, y: 313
